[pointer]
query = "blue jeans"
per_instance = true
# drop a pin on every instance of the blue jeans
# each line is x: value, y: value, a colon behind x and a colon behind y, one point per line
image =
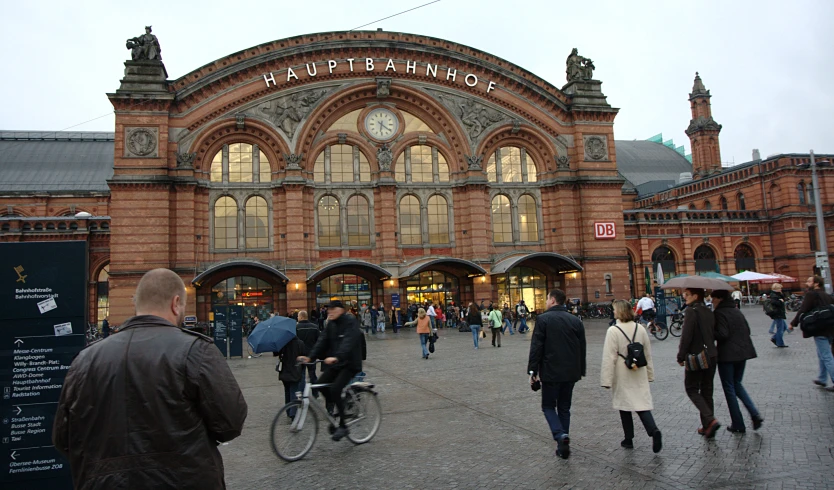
x: 508, y: 325
x: 780, y: 330
x: 424, y: 337
x: 523, y: 326
x: 731, y: 374
x: 476, y: 334
x: 825, y: 357
x: 773, y: 326
x: 556, y: 400
x: 289, y: 394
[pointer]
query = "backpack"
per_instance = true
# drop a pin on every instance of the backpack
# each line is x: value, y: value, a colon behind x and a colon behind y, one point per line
x: 817, y: 321
x: 769, y: 308
x: 463, y: 326
x: 636, y: 356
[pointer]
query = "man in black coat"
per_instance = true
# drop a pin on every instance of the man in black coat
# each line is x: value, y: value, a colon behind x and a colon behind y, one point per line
x: 308, y: 332
x: 814, y: 298
x: 735, y: 347
x: 341, y: 348
x: 557, y: 357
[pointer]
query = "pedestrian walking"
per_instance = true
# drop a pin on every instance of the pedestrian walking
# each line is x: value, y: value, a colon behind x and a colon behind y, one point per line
x: 521, y: 312
x: 496, y: 321
x: 507, y: 315
x: 737, y: 299
x: 698, y: 338
x: 423, y: 329
x: 381, y: 318
x: 105, y: 327
x: 557, y: 358
x: 778, y: 314
x: 432, y: 314
x: 629, y: 382
x: 290, y: 372
x: 475, y: 323
x: 308, y: 332
x: 175, y: 393
x: 735, y: 348
x: 815, y: 298
x: 366, y: 319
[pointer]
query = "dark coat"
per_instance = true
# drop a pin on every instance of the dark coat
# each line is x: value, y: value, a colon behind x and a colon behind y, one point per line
x: 146, y: 409
x: 557, y: 350
x: 698, y: 330
x: 343, y: 340
x: 732, y: 333
x: 777, y: 299
x: 474, y: 318
x: 308, y: 332
x: 814, y: 299
x: 291, y: 371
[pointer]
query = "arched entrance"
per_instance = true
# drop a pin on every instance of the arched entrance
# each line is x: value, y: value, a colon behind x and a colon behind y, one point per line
x: 258, y: 289
x: 353, y: 282
x: 441, y: 281
x: 705, y: 260
x: 664, y: 256
x: 529, y: 276
x: 745, y: 258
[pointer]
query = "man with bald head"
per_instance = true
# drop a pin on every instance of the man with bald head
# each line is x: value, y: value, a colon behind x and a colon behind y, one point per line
x: 147, y: 407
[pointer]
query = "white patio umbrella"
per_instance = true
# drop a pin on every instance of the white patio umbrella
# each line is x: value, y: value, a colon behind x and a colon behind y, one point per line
x: 659, y: 275
x: 748, y: 276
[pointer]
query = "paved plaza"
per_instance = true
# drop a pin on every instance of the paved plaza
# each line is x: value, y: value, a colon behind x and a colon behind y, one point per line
x: 468, y: 419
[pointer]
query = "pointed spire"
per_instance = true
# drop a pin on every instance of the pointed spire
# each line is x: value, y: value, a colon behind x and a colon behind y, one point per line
x: 698, y: 88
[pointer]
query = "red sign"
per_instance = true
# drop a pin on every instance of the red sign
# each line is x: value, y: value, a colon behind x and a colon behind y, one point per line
x: 604, y: 231
x: 252, y: 294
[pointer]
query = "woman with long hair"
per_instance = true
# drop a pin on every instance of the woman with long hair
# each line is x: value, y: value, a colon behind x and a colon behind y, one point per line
x: 629, y: 384
x: 475, y: 323
x: 423, y: 329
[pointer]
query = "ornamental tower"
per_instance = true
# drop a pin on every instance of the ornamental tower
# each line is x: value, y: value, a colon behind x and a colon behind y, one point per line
x: 703, y: 132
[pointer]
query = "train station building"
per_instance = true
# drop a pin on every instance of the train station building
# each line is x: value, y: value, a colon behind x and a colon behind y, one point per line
x: 371, y: 166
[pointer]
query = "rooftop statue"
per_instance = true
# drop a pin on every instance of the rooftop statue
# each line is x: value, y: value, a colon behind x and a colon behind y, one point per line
x: 145, y: 47
x: 579, y: 67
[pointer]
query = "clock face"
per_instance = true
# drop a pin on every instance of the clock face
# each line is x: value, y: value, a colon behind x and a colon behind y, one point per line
x: 382, y: 124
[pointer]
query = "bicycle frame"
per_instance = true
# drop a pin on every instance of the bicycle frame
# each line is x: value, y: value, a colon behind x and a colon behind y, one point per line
x: 307, y: 401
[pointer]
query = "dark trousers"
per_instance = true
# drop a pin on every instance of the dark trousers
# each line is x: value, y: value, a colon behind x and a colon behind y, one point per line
x: 731, y: 374
x: 556, y: 401
x: 628, y: 423
x: 290, y: 389
x: 338, y: 379
x: 311, y: 370
x: 699, y: 387
x: 496, y: 333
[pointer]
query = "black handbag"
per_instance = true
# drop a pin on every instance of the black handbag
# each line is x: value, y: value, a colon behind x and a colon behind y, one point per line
x: 817, y: 321
x: 699, y: 361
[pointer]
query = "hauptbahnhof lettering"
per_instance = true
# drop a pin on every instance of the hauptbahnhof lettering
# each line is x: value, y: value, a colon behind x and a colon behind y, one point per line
x: 260, y: 179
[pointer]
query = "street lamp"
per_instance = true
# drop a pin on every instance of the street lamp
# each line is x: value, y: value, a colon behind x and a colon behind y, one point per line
x: 823, y: 245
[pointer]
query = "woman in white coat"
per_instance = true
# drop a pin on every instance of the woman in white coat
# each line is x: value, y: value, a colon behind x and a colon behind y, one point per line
x: 629, y: 386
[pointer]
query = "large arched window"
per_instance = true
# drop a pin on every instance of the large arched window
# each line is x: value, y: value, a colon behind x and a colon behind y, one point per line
x: 438, y: 211
x: 329, y: 227
x: 421, y: 164
x: 225, y: 223
x: 800, y: 191
x: 745, y: 258
x: 666, y: 258
x: 502, y: 222
x: 341, y: 164
x: 810, y: 194
x: 257, y: 229
x: 705, y: 260
x: 741, y: 205
x: 103, y: 294
x: 240, y: 162
x: 511, y: 164
x: 358, y: 225
x: 528, y: 220
x: 707, y: 205
x: 410, y: 230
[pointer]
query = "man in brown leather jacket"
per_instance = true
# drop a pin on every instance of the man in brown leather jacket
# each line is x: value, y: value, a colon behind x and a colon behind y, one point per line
x: 147, y: 407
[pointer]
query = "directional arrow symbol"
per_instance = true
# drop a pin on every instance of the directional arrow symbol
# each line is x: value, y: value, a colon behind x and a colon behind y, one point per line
x: 18, y: 410
x: 18, y: 342
x: 14, y: 454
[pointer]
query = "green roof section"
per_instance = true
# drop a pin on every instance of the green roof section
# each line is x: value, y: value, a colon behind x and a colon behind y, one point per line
x: 670, y: 143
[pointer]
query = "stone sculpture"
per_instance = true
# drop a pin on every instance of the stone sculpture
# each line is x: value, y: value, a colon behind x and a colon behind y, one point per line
x: 579, y: 67
x: 145, y: 47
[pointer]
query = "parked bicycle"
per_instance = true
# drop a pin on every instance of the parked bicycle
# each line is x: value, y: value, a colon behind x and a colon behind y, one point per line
x: 293, y: 437
x: 676, y: 325
x: 92, y: 332
x: 793, y: 303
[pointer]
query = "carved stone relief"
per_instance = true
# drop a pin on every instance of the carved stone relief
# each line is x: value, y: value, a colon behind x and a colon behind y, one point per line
x: 596, y: 148
x: 474, y: 161
x: 185, y: 160
x: 475, y: 116
x: 384, y: 157
x: 293, y: 160
x: 383, y: 87
x: 141, y: 142
x: 563, y: 162
x: 287, y: 112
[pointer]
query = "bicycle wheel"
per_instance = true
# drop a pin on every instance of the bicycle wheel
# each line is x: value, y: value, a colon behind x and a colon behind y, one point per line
x: 292, y: 438
x: 364, y: 414
x: 660, y: 331
x: 676, y: 328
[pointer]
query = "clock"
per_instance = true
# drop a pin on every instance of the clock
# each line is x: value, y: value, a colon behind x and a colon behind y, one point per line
x: 382, y: 124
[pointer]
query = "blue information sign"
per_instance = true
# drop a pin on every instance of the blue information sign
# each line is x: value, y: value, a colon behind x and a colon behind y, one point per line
x: 395, y: 300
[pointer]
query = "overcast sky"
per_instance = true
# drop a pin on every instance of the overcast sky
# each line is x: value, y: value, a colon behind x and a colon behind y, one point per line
x: 768, y: 64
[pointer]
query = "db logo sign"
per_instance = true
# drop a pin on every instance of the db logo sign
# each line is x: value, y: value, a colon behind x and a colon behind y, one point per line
x: 603, y: 231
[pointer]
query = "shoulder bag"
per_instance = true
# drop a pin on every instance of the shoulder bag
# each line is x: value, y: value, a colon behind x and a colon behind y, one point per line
x: 699, y: 361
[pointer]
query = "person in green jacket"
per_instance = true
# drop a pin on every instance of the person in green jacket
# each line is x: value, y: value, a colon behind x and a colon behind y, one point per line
x: 495, y: 321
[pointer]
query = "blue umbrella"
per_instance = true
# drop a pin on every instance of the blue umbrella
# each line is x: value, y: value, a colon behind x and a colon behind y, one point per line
x: 272, y: 335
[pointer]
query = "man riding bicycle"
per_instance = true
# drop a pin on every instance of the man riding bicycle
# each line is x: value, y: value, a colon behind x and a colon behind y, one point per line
x: 646, y: 304
x: 341, y: 347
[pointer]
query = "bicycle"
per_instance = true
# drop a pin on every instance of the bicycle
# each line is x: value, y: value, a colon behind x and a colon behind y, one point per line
x: 92, y: 332
x: 676, y: 327
x: 793, y: 303
x: 658, y: 329
x: 363, y: 414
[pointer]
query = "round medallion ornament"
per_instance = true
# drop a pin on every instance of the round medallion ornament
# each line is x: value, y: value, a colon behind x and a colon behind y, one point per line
x: 595, y: 148
x: 141, y: 142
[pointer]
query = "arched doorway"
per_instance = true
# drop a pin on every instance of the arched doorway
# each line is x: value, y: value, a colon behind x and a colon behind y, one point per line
x: 257, y: 288
x: 353, y: 282
x: 438, y: 287
x: 664, y: 256
x: 705, y: 260
x: 745, y: 258
x: 523, y: 283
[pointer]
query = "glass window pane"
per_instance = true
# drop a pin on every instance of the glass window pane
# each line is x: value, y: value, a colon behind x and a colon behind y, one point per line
x: 364, y: 168
x: 442, y: 168
x: 421, y: 170
x: 341, y: 163
x: 358, y: 225
x: 502, y: 225
x: 438, y: 220
x: 410, y: 233
x: 532, y: 169
x: 348, y: 122
x: 217, y: 167
x: 225, y: 223
x: 329, y: 235
x: 240, y: 162
x: 413, y: 124
x: 511, y: 164
x: 318, y: 168
x: 399, y: 168
x: 492, y: 169
x: 266, y: 169
x: 528, y: 223
x: 257, y: 231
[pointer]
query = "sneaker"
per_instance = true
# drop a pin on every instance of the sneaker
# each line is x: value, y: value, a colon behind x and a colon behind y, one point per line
x: 757, y: 423
x: 657, y: 441
x: 819, y: 383
x: 713, y: 427
x: 626, y: 443
x: 563, y: 447
x: 340, y: 433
